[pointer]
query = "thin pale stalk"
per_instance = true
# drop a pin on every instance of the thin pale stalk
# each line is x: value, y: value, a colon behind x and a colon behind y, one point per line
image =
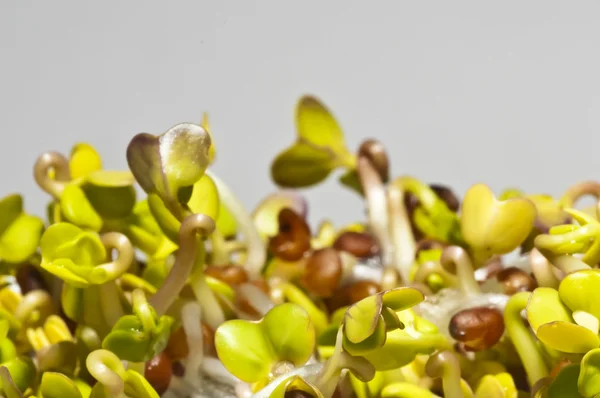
x: 445, y: 365
x: 256, y: 251
x: 52, y: 161
x: 189, y: 245
x: 455, y: 257
x: 212, y: 312
x: 542, y: 270
x: 523, y: 341
x: 401, y: 235
x: 377, y: 207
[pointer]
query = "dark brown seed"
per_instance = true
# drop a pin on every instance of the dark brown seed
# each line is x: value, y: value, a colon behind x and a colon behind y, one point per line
x: 293, y: 239
x: 233, y: 275
x: 178, y: 369
x: 30, y: 278
x: 375, y: 152
x: 478, y: 328
x: 446, y: 194
x: 177, y: 347
x: 158, y: 372
x: 516, y: 280
x: 339, y: 299
x: 359, y: 244
x: 490, y: 269
x: 323, y: 272
x: 361, y: 290
x: 297, y: 394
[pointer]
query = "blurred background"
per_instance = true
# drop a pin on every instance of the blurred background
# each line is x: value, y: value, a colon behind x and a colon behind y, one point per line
x: 506, y: 93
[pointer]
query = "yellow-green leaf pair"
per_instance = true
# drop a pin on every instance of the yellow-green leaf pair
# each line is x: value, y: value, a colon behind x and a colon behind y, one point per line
x: 141, y: 336
x: 319, y: 148
x: 567, y: 319
x: 367, y: 323
x: 401, y: 346
x: 165, y: 164
x: 250, y: 350
x: 568, y: 239
x: 491, y: 226
x: 73, y: 255
x: 93, y: 196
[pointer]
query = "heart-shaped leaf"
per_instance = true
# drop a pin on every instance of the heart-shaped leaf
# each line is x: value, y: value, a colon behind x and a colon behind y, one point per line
x: 491, y: 226
x: 589, y: 376
x: 245, y: 350
x: 175, y: 159
x: 249, y: 350
x: 578, y: 291
x: 296, y: 341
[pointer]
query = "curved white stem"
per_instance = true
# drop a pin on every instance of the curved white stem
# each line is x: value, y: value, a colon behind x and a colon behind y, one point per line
x: 256, y: 254
x: 376, y: 197
x: 403, y: 242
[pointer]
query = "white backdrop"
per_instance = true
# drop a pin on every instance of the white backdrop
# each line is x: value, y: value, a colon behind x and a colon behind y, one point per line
x: 461, y: 92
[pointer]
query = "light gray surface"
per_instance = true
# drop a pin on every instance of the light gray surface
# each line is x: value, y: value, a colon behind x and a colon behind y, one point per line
x: 461, y: 92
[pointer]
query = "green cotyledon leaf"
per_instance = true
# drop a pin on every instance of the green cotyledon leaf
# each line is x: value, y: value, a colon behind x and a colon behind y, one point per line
x: 71, y: 253
x: 175, y: 159
x: 319, y: 148
x: 492, y: 226
x: 111, y: 193
x: 588, y: 382
x: 77, y: 209
x: 57, y: 385
x: 249, y: 349
x: 362, y: 318
x: 19, y: 232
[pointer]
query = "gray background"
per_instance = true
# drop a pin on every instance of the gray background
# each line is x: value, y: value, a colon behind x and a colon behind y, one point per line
x: 460, y: 92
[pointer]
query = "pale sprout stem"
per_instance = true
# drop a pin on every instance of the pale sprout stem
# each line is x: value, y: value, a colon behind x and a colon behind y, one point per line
x: 256, y: 252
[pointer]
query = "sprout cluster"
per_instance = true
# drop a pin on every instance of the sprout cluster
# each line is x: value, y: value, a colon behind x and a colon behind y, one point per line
x: 184, y: 293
